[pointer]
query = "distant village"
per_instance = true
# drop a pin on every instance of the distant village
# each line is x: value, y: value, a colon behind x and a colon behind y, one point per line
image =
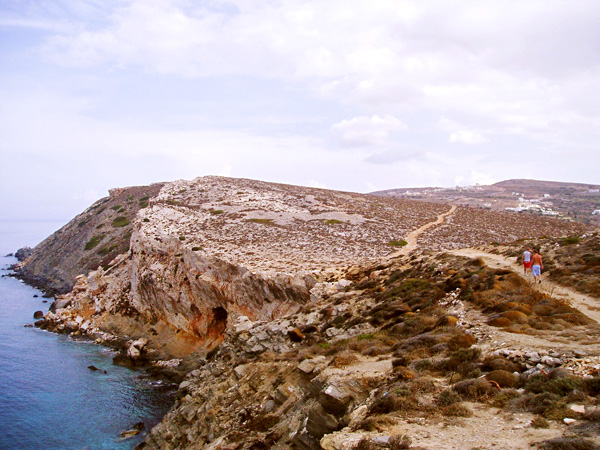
x: 491, y: 197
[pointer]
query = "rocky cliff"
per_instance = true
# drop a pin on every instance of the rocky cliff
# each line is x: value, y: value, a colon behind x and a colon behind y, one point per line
x: 91, y: 239
x: 291, y: 308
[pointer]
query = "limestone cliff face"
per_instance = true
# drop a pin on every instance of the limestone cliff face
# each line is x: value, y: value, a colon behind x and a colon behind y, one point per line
x: 208, y: 251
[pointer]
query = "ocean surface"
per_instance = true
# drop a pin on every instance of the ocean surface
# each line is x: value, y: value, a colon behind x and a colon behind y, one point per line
x: 49, y: 399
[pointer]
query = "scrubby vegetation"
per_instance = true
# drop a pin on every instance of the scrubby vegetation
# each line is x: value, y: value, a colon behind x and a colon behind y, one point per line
x: 120, y: 221
x: 94, y: 241
x: 573, y: 261
x: 264, y: 221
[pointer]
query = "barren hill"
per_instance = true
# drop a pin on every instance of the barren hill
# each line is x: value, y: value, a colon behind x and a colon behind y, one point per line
x: 573, y: 201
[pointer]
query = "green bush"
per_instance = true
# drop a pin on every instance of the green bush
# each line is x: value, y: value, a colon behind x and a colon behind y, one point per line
x: 120, y: 221
x: 333, y: 221
x: 571, y: 240
x: 106, y: 250
x: 265, y: 221
x: 216, y: 212
x: 398, y: 243
x: 94, y: 241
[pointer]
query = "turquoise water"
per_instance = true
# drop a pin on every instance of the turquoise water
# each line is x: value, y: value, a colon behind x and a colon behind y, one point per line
x: 49, y: 399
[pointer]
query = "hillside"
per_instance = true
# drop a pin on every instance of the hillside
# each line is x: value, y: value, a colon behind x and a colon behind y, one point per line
x: 302, y: 318
x: 572, y: 201
x: 93, y: 238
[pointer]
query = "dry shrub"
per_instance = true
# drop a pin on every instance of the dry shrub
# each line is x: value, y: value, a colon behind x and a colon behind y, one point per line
x: 448, y: 397
x: 404, y: 373
x: 384, y: 404
x: 575, y: 318
x: 478, y: 389
x: 516, y: 316
x: 467, y: 354
x: 499, y: 322
x: 503, y: 307
x: 524, y: 309
x: 568, y: 443
x: 592, y: 385
x: 376, y: 349
x: 543, y: 310
x: 540, y: 422
x: 592, y: 416
x: 400, y: 361
x: 463, y: 340
x: 505, y: 397
x: 447, y: 321
x: 457, y: 410
x: 555, y: 384
x: 344, y: 359
x: 419, y: 353
x: 477, y: 262
x: 498, y: 362
x: 420, y: 341
x: 504, y: 378
x: 548, y: 405
x: 423, y: 384
x: 376, y: 423
x: 423, y: 365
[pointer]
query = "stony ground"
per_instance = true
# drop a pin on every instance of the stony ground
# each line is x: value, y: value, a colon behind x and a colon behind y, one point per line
x: 343, y: 324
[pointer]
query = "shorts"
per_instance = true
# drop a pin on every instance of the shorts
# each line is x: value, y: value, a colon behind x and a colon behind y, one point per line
x: 537, y: 270
x: 527, y: 264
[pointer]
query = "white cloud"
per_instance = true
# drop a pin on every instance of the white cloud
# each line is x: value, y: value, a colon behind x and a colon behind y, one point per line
x: 467, y: 137
x: 364, y: 131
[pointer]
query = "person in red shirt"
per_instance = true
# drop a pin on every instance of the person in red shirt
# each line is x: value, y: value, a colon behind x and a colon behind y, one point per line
x: 526, y: 261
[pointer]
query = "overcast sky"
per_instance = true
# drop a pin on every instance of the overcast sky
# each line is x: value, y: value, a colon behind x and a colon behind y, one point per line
x: 350, y: 95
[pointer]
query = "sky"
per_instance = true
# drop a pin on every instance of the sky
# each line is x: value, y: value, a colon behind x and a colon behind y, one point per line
x: 339, y: 94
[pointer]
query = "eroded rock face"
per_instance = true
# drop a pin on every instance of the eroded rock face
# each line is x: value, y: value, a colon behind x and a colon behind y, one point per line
x: 204, y: 252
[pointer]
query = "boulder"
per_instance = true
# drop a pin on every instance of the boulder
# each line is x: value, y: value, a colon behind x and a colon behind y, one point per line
x: 23, y: 253
x: 137, y: 348
x: 38, y: 315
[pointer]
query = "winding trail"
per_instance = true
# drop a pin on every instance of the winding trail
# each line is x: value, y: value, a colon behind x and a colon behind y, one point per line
x: 584, y: 303
x: 412, y: 237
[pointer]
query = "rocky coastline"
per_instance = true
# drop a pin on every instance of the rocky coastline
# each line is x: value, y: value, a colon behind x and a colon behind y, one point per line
x: 288, y: 316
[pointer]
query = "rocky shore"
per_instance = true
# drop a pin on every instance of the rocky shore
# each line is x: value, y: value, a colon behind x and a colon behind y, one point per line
x: 292, y: 323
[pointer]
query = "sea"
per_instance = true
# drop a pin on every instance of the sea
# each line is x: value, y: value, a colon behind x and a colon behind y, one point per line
x: 49, y: 397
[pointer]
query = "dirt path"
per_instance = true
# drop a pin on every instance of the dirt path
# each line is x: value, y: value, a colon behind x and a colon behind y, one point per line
x: 412, y: 237
x: 587, y: 305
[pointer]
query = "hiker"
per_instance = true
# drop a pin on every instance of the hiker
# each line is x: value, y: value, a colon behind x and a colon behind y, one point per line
x: 537, y: 266
x: 526, y: 261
